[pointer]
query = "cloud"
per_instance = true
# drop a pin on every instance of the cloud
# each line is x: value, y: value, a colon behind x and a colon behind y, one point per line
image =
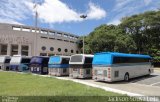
x: 50, y: 11
x: 12, y: 11
x: 55, y: 11
x: 11, y: 21
x: 125, y: 8
x: 95, y: 12
x: 147, y: 2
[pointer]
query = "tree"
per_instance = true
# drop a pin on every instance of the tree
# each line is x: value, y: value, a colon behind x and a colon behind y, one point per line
x: 144, y: 29
x: 109, y: 38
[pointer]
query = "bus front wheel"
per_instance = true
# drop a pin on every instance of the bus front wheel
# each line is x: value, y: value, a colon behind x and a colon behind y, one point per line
x: 126, y: 77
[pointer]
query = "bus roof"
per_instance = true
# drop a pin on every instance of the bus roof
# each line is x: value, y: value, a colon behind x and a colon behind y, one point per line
x: 61, y: 56
x: 22, y: 56
x: 117, y: 54
x: 41, y: 56
x: 106, y: 58
x: 86, y: 55
x: 6, y: 56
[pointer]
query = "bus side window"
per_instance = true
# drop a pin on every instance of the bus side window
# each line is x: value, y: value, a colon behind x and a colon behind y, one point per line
x: 25, y: 60
x: 129, y: 60
x: 45, y: 60
x: 65, y: 61
x: 116, y: 73
x: 88, y: 60
x: 7, y: 60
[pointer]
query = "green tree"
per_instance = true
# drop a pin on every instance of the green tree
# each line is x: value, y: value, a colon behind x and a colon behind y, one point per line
x: 110, y: 38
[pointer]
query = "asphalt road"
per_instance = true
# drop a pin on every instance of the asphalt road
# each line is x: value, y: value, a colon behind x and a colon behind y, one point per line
x: 146, y: 85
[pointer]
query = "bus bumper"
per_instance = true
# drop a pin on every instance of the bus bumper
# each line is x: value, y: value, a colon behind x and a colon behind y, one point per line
x: 96, y: 78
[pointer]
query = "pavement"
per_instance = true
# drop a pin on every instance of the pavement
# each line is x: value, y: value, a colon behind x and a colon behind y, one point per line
x: 141, y: 86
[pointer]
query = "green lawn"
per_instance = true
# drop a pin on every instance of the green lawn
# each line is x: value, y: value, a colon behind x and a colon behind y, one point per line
x: 16, y: 84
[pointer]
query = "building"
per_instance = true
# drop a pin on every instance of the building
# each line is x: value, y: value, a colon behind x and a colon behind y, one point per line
x: 31, y: 41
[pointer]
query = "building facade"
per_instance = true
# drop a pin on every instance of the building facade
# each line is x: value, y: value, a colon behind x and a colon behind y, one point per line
x: 31, y: 41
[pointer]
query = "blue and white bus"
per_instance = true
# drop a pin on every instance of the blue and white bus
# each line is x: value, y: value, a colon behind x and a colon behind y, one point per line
x: 19, y: 63
x: 58, y: 65
x: 39, y: 64
x: 112, y: 66
x: 80, y: 66
x: 4, y: 62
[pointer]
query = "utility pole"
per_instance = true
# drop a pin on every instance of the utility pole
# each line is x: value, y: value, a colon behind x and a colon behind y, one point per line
x: 83, y: 17
x: 36, y: 14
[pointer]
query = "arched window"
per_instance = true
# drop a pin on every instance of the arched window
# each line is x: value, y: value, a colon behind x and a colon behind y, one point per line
x: 51, y: 49
x: 59, y: 49
x: 77, y: 52
x: 72, y: 51
x: 43, y: 48
x: 66, y: 50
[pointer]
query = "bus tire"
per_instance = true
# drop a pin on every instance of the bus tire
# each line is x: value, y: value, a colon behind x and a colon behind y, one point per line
x: 126, y: 77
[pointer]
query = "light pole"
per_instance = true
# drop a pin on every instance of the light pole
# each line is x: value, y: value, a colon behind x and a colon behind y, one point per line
x: 83, y: 17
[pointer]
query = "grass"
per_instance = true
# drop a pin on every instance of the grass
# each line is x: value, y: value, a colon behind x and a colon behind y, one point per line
x: 15, y: 84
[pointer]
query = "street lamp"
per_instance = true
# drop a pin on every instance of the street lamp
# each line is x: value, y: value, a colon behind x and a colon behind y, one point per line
x: 83, y: 17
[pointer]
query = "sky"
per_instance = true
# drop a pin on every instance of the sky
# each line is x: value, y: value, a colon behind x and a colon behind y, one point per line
x: 64, y: 15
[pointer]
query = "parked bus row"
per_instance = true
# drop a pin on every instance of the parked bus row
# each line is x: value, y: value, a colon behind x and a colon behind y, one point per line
x: 105, y: 66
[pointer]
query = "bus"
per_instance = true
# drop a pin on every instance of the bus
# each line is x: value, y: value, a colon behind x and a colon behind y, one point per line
x: 80, y: 66
x: 19, y: 63
x: 58, y: 65
x: 4, y: 62
x: 112, y: 66
x: 39, y: 64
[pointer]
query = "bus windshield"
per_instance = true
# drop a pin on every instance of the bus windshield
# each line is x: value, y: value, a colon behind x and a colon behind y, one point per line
x: 2, y: 59
x: 36, y: 60
x: 54, y: 60
x: 76, y: 58
x: 102, y: 59
x: 15, y: 59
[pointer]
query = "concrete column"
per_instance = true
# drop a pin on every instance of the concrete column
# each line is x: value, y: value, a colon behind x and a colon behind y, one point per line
x: 29, y: 50
x: 9, y: 49
x: 19, y: 49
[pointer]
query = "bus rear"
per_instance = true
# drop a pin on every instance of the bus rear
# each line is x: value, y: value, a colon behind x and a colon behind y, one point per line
x: 15, y: 62
x: 39, y: 65
x: 24, y: 65
x: 113, y: 66
x: 80, y: 66
x: 4, y: 62
x: 58, y: 65
x: 102, y: 67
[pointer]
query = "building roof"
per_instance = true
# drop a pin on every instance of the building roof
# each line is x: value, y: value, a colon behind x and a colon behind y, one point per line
x: 38, y: 28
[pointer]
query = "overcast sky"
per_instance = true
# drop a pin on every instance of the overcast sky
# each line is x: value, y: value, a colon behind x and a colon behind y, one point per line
x: 64, y: 15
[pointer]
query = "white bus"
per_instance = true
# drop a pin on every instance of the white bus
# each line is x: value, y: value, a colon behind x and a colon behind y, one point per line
x: 4, y: 62
x: 20, y: 63
x: 112, y: 66
x: 58, y: 65
x: 80, y: 66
